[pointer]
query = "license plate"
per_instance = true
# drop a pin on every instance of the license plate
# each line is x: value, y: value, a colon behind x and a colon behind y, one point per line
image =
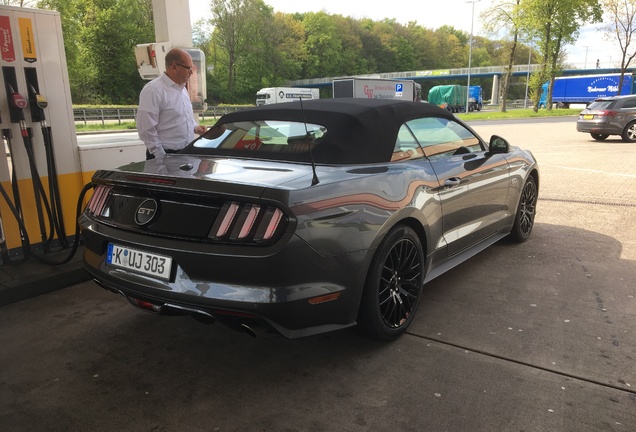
x: 588, y: 116
x: 147, y: 263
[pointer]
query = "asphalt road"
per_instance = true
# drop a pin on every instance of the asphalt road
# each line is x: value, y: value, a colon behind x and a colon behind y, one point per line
x: 533, y: 337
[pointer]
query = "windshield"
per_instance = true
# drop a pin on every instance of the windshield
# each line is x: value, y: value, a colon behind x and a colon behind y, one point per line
x: 263, y: 136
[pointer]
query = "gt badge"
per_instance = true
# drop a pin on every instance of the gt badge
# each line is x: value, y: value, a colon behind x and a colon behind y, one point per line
x: 146, y: 212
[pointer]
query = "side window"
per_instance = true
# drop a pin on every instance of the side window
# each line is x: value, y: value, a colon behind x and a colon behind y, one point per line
x: 442, y: 137
x: 406, y: 146
x: 630, y: 103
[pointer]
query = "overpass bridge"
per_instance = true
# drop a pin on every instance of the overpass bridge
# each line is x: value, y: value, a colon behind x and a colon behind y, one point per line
x: 495, y: 72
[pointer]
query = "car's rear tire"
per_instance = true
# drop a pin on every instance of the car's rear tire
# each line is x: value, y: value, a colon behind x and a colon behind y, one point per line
x: 629, y: 133
x: 393, y: 286
x: 599, y: 136
x: 526, y: 210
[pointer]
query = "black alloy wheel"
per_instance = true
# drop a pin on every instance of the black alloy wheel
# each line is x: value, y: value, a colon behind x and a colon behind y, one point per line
x: 526, y: 210
x: 599, y: 136
x: 629, y: 133
x: 393, y: 286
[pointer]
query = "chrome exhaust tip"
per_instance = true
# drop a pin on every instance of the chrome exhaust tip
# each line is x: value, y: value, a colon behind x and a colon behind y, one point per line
x: 253, y: 329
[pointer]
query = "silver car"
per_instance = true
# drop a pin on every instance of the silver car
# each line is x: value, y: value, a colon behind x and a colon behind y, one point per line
x: 308, y: 216
x: 607, y: 116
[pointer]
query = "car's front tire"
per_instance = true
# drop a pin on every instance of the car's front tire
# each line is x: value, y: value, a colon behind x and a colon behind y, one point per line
x: 393, y: 286
x: 526, y: 210
x: 599, y: 136
x: 629, y: 133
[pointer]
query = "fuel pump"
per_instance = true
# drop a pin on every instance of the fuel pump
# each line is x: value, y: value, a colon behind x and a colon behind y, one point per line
x: 40, y: 177
x: 17, y: 104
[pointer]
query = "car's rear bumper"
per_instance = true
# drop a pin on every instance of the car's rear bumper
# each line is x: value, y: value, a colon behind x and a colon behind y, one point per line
x: 598, y: 127
x: 297, y: 294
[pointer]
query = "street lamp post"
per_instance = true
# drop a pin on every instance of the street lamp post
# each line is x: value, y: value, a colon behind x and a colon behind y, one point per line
x: 470, y: 51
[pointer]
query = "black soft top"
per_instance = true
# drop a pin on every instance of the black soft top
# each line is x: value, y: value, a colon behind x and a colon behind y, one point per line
x: 358, y: 130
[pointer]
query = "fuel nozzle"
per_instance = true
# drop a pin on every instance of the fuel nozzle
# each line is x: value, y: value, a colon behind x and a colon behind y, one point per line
x: 39, y: 99
x: 17, y: 99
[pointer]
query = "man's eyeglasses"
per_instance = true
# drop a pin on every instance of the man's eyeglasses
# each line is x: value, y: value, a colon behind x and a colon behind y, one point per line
x: 189, y: 68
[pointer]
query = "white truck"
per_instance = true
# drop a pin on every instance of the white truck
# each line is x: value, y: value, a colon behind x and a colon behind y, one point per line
x: 376, y: 88
x: 272, y: 95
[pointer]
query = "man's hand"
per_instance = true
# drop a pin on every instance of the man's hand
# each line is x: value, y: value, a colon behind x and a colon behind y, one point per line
x: 200, y: 129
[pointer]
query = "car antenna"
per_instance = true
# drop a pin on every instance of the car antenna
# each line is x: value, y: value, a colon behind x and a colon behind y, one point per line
x: 314, y: 180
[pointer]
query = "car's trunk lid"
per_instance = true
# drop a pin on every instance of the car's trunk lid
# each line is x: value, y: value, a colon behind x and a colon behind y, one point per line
x: 198, y: 198
x: 221, y: 169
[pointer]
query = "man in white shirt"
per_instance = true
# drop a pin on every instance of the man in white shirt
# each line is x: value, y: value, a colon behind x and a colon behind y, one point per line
x: 165, y: 121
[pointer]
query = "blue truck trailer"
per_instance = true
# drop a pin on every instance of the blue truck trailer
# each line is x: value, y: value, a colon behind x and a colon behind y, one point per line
x: 583, y: 89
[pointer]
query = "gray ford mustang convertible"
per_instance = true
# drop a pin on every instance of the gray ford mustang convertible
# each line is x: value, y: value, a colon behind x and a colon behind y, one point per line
x: 307, y: 217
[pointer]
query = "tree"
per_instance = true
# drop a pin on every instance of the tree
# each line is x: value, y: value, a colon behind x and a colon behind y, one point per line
x: 621, y: 28
x: 99, y: 41
x: 323, y: 44
x: 424, y: 45
x: 351, y: 35
x: 503, y: 16
x: 288, y: 52
x: 452, y: 48
x: 554, y: 23
x: 118, y: 26
x: 235, y: 25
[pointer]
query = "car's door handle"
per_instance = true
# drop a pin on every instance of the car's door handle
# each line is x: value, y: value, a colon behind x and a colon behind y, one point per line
x: 452, y: 182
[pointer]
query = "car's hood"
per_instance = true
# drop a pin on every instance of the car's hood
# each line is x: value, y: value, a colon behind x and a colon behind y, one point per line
x: 219, y: 169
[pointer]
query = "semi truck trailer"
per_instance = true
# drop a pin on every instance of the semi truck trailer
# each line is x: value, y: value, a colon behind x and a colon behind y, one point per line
x: 583, y: 89
x: 373, y: 88
x: 271, y: 95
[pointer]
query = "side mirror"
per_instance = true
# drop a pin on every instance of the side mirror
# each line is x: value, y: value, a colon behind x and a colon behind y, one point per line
x: 498, y: 145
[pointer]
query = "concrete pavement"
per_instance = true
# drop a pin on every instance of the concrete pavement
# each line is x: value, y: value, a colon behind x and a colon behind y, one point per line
x: 532, y: 337
x: 32, y: 278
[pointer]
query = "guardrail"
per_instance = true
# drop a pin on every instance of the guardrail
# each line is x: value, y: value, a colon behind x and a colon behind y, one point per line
x: 119, y: 115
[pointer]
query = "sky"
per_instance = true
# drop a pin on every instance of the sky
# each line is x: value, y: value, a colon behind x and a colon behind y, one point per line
x: 590, y: 47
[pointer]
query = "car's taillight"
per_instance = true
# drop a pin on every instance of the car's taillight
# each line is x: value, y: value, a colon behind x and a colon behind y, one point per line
x: 247, y: 222
x: 98, y: 201
x: 607, y: 113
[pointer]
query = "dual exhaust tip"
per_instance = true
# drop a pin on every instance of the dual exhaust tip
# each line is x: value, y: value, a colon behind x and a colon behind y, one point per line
x: 250, y: 327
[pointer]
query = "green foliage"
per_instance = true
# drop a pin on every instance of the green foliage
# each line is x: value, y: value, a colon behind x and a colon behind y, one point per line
x: 537, y: 79
x: 99, y: 41
x: 451, y: 51
x: 324, y: 46
x: 248, y: 46
x: 554, y: 24
x: 239, y: 39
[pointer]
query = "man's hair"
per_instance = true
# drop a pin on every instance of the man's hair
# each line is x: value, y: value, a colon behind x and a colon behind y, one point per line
x: 173, y: 56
